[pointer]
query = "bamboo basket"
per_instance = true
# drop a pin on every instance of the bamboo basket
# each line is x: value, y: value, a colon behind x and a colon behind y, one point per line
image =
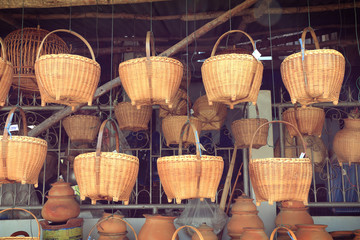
x: 66, y: 78
x: 179, y: 105
x: 212, y: 117
x: 132, y: 119
x: 22, y: 157
x: 22, y: 56
x: 190, y: 176
x: 309, y: 120
x: 280, y: 179
x: 171, y: 128
x: 314, y: 76
x: 6, y: 74
x: 82, y: 128
x: 151, y: 80
x: 107, y: 176
x: 23, y: 238
x: 232, y: 78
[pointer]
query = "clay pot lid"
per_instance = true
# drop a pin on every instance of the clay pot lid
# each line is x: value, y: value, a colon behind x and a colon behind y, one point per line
x: 60, y: 189
x: 205, y: 227
x: 243, y: 203
x: 244, y: 198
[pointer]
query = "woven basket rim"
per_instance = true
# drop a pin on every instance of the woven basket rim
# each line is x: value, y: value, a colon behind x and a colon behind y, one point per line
x: 70, y: 56
x: 280, y: 160
x: 231, y: 56
x: 292, y: 109
x: 110, y: 155
x: 6, y: 62
x: 80, y: 116
x: 189, y: 157
x: 25, y: 139
x: 182, y: 117
x: 248, y: 120
x: 310, y: 52
x: 129, y: 104
x: 153, y: 59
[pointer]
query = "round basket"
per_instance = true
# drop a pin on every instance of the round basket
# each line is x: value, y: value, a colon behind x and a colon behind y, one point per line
x: 280, y: 179
x: 66, y: 78
x: 82, y: 128
x: 23, y: 57
x: 151, y: 80
x: 212, y: 117
x: 232, y: 78
x: 107, y: 176
x: 313, y: 76
x: 132, y: 119
x: 190, y: 176
x: 22, y: 157
x: 179, y: 105
x: 6, y: 74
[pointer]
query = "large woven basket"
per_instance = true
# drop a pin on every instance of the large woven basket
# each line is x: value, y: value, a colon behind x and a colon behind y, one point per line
x: 82, y: 128
x: 151, y: 80
x: 309, y: 120
x: 280, y: 179
x: 131, y: 118
x: 66, y: 78
x: 232, y: 78
x: 190, y: 176
x: 21, y: 157
x: 6, y: 74
x: 179, y: 105
x: 212, y: 117
x: 313, y: 75
x: 107, y: 176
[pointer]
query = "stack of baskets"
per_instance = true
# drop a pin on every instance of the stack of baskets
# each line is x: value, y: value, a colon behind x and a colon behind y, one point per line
x: 131, y: 118
x: 6, y: 74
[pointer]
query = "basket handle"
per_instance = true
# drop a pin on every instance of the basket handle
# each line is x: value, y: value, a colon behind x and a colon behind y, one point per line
x: 19, y: 233
x: 198, y: 149
x: 149, y: 40
x: 303, y: 35
x: 3, y: 49
x: 193, y: 228
x: 227, y: 33
x: 256, y: 109
x: 21, y: 209
x: 67, y: 31
x: 9, y: 119
x: 277, y: 228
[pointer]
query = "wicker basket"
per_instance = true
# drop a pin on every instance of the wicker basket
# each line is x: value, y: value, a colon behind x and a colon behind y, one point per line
x: 151, y: 80
x: 6, y: 74
x: 107, y: 176
x: 309, y: 120
x: 232, y: 78
x: 82, y: 128
x: 280, y: 179
x: 22, y: 157
x: 212, y: 117
x: 179, y: 105
x: 66, y: 78
x: 190, y: 176
x: 131, y: 118
x: 315, y: 77
x: 198, y: 233
x: 23, y: 56
x: 171, y: 127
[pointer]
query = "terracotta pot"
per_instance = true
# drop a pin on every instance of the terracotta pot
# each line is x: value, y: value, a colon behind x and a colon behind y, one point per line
x: 289, y: 217
x: 357, y: 234
x: 312, y: 232
x: 292, y: 204
x: 116, y: 236
x: 241, y: 220
x: 243, y: 204
x: 206, y: 232
x: 61, y: 189
x: 254, y: 234
x: 157, y: 227
x: 111, y: 224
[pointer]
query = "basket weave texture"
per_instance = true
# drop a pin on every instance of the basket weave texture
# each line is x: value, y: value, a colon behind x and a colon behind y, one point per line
x: 82, y: 128
x: 243, y: 130
x: 179, y: 105
x: 212, y: 117
x: 131, y: 118
x: 6, y: 74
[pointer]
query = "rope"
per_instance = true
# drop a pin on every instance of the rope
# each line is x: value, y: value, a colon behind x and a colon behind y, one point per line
x: 308, y: 5
x: 187, y: 61
x: 356, y: 32
x: 97, y: 29
x: 111, y: 56
x: 151, y: 16
x: 21, y: 50
x: 70, y: 15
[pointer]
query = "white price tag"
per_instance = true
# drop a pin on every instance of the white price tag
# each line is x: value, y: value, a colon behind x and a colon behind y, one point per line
x: 13, y: 128
x: 115, y: 151
x: 302, y: 155
x: 256, y: 54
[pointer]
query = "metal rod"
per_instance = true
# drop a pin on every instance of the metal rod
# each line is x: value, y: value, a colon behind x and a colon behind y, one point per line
x: 323, y: 104
x: 113, y: 206
x: 314, y: 178
x: 357, y: 181
x: 281, y: 132
x: 246, y: 173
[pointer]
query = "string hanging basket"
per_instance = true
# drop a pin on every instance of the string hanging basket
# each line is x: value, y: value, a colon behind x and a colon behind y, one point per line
x: 82, y: 128
x: 190, y: 176
x: 313, y: 76
x: 151, y: 80
x: 22, y: 56
x: 107, y: 176
x: 66, y: 78
x: 179, y: 104
x: 22, y: 157
x: 132, y: 119
x: 280, y: 179
x: 6, y: 74
x: 232, y: 78
x: 186, y: 78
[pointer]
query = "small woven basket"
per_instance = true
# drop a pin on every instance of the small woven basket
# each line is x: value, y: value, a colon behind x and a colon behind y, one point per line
x: 132, y: 119
x: 151, y: 80
x: 232, y: 78
x: 313, y: 75
x: 66, y: 78
x: 6, y: 74
x: 179, y: 104
x: 190, y: 176
x: 280, y: 179
x: 82, y: 128
x: 107, y: 176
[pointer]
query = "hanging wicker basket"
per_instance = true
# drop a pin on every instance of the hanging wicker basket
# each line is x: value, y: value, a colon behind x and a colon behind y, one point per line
x: 179, y: 105
x: 190, y: 176
x: 22, y: 157
x: 280, y: 179
x: 132, y: 119
x: 313, y: 75
x: 107, y: 176
x: 66, y: 78
x: 6, y: 74
x: 82, y: 128
x: 151, y: 80
x: 232, y: 78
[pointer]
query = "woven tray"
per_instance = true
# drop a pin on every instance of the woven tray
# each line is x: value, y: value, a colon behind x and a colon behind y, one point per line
x: 6, y: 74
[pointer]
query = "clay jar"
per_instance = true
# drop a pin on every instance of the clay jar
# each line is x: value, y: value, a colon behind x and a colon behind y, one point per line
x: 157, y: 227
x: 312, y: 232
x: 254, y: 234
x: 206, y: 232
x: 290, y: 216
x: 61, y: 204
x: 111, y: 224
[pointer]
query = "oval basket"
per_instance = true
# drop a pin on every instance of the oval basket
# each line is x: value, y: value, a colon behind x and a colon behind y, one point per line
x: 66, y: 78
x: 179, y: 105
x: 151, y: 80
x: 232, y: 78
x: 6, y: 74
x: 82, y: 128
x: 107, y: 176
x: 314, y: 75
x: 132, y: 119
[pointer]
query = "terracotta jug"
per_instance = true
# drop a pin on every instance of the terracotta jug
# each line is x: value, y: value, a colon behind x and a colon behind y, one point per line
x: 206, y: 232
x: 357, y: 234
x: 110, y: 224
x: 312, y: 232
x: 243, y: 203
x: 61, y: 204
x: 110, y: 236
x: 289, y: 217
x: 157, y: 227
x: 254, y: 234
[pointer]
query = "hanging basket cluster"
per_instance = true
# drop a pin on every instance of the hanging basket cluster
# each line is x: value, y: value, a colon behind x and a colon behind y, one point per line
x: 6, y: 74
x: 131, y: 118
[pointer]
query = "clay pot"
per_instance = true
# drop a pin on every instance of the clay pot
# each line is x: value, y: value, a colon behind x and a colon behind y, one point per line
x: 206, y: 232
x: 157, y: 227
x: 116, y: 236
x: 290, y: 217
x: 312, y: 232
x: 292, y: 204
x: 243, y: 204
x: 254, y: 234
x: 111, y: 224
